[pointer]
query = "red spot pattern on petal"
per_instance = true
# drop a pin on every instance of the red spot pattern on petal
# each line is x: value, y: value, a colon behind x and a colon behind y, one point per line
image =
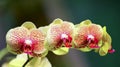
x: 21, y: 39
x: 96, y: 31
x: 82, y: 40
x: 81, y: 37
x: 38, y: 39
x: 56, y: 31
x: 15, y: 36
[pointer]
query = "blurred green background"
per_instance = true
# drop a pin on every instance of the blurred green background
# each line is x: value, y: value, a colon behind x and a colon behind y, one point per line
x: 42, y: 12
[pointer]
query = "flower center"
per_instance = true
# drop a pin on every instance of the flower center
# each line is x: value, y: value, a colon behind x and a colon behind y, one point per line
x: 28, y: 42
x: 92, y: 41
x: 66, y: 39
x: 90, y: 37
x: 63, y: 36
x: 28, y: 46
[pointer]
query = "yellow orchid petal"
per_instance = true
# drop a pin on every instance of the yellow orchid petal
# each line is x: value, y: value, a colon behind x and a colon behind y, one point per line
x: 57, y: 21
x: 29, y: 25
x: 61, y: 51
x: 39, y: 62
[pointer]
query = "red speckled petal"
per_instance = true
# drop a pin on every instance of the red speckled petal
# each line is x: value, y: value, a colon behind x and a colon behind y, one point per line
x: 67, y: 27
x: 14, y: 36
x: 80, y: 37
x: 38, y: 39
x: 55, y: 32
x: 96, y: 30
x: 84, y: 31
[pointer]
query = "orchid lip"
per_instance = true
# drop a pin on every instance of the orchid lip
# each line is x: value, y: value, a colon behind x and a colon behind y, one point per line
x: 28, y: 46
x: 90, y: 37
x: 64, y: 36
x: 28, y: 42
x: 27, y: 49
x: 92, y: 41
x: 66, y: 40
x: 94, y: 46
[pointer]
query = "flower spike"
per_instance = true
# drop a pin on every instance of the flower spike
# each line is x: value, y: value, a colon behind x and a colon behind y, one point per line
x: 31, y: 44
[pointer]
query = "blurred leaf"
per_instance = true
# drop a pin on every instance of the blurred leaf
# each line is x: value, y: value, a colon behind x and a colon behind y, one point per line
x: 5, y: 65
x: 45, y: 63
x: 34, y: 62
x: 3, y: 52
x: 18, y: 61
x: 39, y: 62
x: 61, y: 51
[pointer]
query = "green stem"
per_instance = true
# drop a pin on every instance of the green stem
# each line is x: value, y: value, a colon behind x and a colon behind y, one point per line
x: 3, y: 52
x: 27, y: 60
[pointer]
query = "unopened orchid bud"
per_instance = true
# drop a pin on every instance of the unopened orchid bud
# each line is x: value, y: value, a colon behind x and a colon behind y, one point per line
x: 59, y: 34
x: 26, y: 39
x: 87, y: 35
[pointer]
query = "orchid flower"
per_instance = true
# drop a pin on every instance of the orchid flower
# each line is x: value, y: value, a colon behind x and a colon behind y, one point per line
x: 59, y: 35
x: 87, y: 35
x: 26, y: 39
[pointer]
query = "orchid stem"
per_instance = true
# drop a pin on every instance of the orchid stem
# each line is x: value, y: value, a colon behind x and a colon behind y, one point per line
x: 27, y: 60
x: 3, y: 52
